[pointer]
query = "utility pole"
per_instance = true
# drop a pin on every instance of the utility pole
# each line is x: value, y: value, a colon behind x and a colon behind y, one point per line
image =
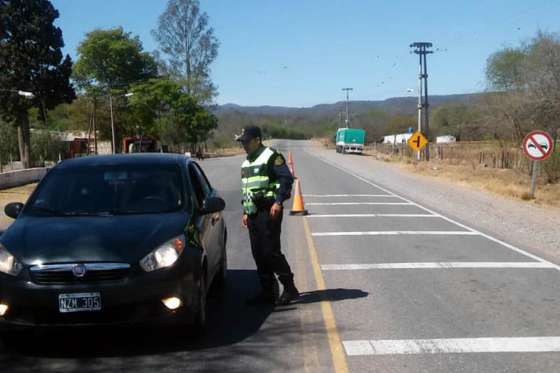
x: 113, y: 145
x: 422, y: 49
x: 347, y: 106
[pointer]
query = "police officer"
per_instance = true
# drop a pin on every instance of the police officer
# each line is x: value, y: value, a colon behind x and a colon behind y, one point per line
x: 266, y: 182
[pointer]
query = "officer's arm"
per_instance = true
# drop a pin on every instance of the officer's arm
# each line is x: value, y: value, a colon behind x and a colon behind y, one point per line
x: 279, y: 169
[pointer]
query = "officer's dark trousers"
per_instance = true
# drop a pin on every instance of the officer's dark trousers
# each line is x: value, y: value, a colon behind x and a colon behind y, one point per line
x: 264, y: 233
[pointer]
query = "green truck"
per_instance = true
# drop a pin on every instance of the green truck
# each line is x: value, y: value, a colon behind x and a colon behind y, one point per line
x: 350, y: 140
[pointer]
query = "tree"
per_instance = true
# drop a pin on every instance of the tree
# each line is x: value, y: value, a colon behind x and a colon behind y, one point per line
x: 152, y: 102
x: 109, y: 62
x: 459, y: 120
x: 8, y: 144
x: 185, y: 36
x: 31, y: 60
x: 169, y: 113
x: 504, y: 69
x: 112, y: 59
x: 529, y: 80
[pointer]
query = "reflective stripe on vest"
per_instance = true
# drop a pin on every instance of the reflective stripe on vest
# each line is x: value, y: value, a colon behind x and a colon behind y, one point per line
x: 255, y: 181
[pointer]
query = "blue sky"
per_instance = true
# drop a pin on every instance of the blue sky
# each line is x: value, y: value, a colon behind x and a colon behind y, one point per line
x: 302, y: 52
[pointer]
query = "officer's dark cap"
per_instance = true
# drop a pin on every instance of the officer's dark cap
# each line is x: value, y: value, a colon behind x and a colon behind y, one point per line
x: 248, y: 133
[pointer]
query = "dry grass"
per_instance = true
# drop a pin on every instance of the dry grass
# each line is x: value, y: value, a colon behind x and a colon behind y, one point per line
x: 225, y: 152
x: 506, y: 182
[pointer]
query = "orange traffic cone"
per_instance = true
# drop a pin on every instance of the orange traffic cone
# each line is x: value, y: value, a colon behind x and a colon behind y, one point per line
x: 291, y: 164
x: 298, y: 207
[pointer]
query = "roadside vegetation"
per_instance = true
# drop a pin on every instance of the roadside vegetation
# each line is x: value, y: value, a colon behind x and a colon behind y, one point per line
x: 166, y: 94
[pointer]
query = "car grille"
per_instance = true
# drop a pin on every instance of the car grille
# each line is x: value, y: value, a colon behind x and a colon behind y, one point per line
x: 65, y: 273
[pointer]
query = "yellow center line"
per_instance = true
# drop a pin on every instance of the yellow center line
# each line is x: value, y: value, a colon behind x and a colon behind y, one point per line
x: 337, y: 351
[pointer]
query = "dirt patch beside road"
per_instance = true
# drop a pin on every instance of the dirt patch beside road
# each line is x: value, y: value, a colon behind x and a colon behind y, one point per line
x: 19, y: 194
x: 506, y: 182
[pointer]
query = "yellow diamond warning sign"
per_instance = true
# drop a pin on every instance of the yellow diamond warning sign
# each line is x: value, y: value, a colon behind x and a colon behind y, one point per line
x: 417, y: 141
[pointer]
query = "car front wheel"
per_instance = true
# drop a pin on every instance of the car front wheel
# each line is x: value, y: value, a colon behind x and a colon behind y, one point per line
x: 200, y: 319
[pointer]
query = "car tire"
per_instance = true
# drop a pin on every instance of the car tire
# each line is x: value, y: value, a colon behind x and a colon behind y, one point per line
x: 200, y: 318
x: 221, y: 275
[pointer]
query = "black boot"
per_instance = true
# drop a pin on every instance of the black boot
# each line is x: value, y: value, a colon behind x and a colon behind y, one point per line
x: 289, y: 294
x: 267, y: 295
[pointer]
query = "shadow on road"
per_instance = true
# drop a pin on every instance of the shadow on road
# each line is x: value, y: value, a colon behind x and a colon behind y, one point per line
x: 331, y: 295
x: 229, y: 321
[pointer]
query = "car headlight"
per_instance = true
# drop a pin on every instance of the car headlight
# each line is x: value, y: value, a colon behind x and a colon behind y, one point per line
x: 8, y: 263
x: 164, y: 256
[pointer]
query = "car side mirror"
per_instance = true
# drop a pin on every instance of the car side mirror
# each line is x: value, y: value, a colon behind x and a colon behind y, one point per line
x: 13, y: 209
x: 212, y: 205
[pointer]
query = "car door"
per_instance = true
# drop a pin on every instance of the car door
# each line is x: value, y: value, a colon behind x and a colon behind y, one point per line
x: 211, y: 225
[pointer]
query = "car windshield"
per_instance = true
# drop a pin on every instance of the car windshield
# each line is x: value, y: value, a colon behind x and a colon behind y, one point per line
x: 102, y: 190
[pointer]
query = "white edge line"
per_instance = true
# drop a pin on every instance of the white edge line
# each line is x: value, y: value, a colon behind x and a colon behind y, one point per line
x: 348, y: 195
x: 509, y: 246
x: 356, y: 203
x: 436, y: 265
x: 451, y: 345
x: 372, y: 216
x: 395, y: 233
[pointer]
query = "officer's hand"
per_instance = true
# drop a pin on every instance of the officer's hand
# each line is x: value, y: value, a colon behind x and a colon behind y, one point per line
x: 244, y: 220
x: 275, y: 210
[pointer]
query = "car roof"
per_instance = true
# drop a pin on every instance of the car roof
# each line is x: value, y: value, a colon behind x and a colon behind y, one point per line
x: 125, y: 159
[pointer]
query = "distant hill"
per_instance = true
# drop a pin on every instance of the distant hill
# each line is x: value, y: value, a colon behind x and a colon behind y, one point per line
x: 322, y: 120
x: 400, y: 105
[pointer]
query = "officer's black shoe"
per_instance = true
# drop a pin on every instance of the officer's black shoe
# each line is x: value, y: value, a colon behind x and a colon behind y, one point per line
x: 262, y: 298
x: 288, y: 295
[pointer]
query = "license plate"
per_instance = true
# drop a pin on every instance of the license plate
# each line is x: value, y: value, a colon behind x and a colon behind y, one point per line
x: 79, y: 302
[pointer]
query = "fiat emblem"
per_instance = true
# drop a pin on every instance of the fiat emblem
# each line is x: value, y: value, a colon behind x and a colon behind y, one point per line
x: 79, y: 270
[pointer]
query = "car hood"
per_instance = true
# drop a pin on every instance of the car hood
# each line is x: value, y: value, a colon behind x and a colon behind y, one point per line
x: 119, y: 238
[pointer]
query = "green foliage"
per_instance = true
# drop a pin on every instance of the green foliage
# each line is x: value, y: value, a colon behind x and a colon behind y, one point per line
x: 504, y: 69
x: 530, y: 78
x: 400, y: 124
x: 279, y: 132
x: 151, y: 102
x: 45, y: 146
x: 112, y: 59
x: 31, y: 60
x: 162, y: 109
x: 8, y: 143
x: 457, y: 120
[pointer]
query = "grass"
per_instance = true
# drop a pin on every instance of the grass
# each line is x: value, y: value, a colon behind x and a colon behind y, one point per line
x: 505, y: 182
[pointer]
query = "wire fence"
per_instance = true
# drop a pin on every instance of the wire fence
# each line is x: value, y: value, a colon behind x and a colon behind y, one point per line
x: 488, y: 154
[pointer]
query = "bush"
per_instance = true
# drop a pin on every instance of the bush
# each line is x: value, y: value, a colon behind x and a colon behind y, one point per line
x: 46, y: 147
x: 8, y: 143
x: 551, y: 167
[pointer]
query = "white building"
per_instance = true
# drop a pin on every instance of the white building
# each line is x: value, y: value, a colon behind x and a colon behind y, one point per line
x: 447, y: 139
x: 397, y: 138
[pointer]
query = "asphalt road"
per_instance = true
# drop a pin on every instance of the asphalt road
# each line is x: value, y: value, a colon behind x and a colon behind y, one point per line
x: 388, y: 286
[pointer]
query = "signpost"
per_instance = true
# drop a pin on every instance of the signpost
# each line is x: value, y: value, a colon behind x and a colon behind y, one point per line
x: 537, y: 145
x: 417, y: 142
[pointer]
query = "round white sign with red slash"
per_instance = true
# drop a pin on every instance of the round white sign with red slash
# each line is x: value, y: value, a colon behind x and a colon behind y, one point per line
x: 538, y: 145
